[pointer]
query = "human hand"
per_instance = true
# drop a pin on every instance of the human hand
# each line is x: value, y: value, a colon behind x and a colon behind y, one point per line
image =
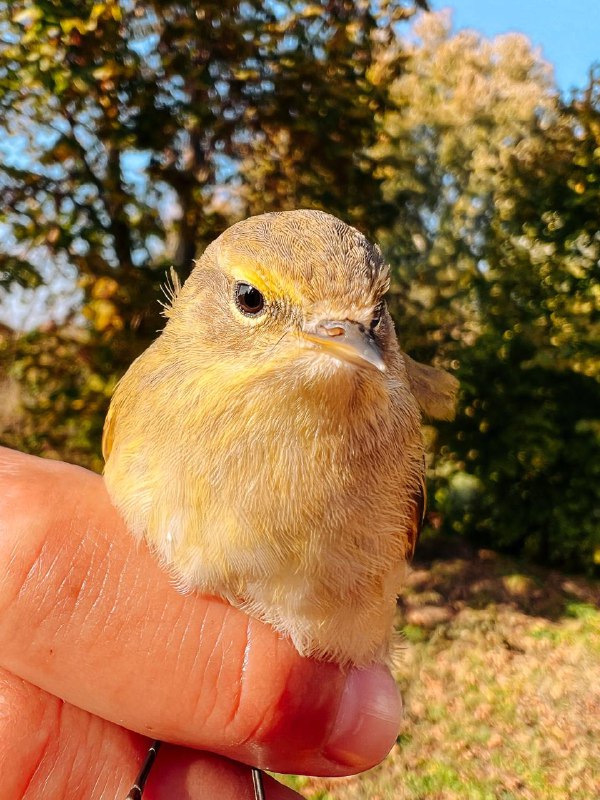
x: 89, y: 617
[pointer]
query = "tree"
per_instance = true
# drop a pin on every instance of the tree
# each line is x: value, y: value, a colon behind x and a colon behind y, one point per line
x: 503, y: 277
x: 331, y: 82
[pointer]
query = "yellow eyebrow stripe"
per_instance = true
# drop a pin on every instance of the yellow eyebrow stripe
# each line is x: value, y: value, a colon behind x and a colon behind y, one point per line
x: 269, y: 282
x: 272, y: 285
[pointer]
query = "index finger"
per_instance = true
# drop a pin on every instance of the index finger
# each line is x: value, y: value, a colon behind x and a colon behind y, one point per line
x: 89, y: 616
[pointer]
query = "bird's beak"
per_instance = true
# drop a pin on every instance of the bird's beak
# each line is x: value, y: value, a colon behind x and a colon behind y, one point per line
x: 348, y: 341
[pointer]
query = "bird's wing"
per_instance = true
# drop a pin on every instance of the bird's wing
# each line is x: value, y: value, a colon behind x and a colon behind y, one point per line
x: 108, y: 432
x: 420, y: 501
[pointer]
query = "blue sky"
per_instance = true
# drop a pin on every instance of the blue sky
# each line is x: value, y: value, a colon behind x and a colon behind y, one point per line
x: 568, y: 31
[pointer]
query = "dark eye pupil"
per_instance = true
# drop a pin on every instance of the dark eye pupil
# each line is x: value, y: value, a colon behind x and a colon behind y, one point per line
x: 249, y: 299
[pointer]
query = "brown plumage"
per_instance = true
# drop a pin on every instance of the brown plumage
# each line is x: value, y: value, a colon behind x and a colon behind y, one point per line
x: 268, y: 443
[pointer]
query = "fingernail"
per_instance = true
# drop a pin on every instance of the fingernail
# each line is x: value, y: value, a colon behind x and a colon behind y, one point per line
x: 367, y: 721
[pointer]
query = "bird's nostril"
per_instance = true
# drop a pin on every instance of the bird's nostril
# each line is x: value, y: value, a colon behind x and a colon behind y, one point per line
x: 331, y: 329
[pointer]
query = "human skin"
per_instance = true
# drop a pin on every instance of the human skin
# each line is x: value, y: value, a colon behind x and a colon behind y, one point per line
x: 98, y: 651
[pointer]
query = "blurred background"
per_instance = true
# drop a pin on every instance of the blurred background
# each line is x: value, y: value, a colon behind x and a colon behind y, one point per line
x: 132, y: 132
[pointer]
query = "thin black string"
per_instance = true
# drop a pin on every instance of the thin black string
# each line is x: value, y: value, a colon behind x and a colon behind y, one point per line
x: 135, y: 793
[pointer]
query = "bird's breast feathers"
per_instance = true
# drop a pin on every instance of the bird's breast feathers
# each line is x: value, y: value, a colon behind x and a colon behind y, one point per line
x: 291, y: 496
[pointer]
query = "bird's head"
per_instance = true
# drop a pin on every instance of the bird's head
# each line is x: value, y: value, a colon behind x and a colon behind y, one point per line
x: 297, y: 295
x: 293, y: 288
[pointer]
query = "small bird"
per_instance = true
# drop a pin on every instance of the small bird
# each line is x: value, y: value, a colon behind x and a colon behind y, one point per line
x: 268, y: 444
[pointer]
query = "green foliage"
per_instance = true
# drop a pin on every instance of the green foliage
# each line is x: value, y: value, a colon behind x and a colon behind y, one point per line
x: 504, y: 285
x: 146, y: 127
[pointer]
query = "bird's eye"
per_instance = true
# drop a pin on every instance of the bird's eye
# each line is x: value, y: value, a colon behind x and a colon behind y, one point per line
x: 377, y: 315
x: 248, y: 299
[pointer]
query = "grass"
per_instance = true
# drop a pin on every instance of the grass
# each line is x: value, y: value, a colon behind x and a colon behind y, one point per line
x: 501, y: 681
